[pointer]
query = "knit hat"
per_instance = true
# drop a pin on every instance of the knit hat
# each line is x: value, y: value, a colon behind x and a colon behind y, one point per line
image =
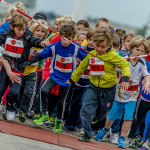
x: 39, y: 16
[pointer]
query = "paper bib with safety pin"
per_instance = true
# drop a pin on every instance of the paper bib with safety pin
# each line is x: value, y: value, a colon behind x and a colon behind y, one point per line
x: 134, y: 84
x: 14, y: 48
x: 96, y: 66
x: 63, y: 64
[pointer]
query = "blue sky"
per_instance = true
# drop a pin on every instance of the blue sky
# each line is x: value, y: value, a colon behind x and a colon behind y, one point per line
x: 131, y: 12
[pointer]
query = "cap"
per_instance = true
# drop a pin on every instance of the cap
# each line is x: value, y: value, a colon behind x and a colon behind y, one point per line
x: 39, y: 16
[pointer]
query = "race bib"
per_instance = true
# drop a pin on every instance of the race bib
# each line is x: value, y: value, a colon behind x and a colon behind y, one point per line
x: 86, y: 74
x: 63, y: 64
x: 96, y: 66
x: 134, y: 84
x: 14, y: 48
x: 33, y: 52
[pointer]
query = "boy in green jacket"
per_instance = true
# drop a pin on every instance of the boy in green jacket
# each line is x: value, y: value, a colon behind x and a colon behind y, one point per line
x: 100, y: 94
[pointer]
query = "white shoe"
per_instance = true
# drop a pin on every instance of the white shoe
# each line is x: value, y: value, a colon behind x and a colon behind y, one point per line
x: 10, y: 115
x: 114, y: 138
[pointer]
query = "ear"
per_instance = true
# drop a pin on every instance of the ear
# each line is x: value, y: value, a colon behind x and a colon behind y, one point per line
x: 11, y: 27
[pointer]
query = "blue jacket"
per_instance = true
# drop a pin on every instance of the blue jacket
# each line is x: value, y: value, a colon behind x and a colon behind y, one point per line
x: 58, y: 51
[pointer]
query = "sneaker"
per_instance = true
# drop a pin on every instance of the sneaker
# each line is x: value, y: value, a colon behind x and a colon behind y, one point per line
x: 22, y: 116
x: 101, y: 134
x: 121, y: 142
x: 114, y: 138
x: 40, y: 121
x: 35, y: 116
x: 84, y: 138
x: 3, y: 112
x: 10, y: 115
x: 47, y: 124
x: 57, y: 127
x: 52, y: 120
x: 93, y: 133
x: 81, y: 131
x: 17, y: 112
x: 69, y: 128
x: 146, y: 145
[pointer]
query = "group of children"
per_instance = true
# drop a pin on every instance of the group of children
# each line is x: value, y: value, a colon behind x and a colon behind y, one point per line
x: 83, y: 76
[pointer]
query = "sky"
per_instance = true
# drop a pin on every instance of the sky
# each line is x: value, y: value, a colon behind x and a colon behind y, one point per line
x: 130, y: 12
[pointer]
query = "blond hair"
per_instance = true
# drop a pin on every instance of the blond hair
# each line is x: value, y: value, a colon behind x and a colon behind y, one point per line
x: 102, y: 20
x: 102, y: 35
x: 35, y: 25
x: 137, y: 41
x: 19, y: 6
x: 18, y: 21
x: 65, y: 19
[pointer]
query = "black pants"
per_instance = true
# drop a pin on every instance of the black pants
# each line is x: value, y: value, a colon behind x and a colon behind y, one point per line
x: 97, y: 101
x: 141, y: 110
x: 14, y: 95
x: 59, y: 101
x: 27, y: 89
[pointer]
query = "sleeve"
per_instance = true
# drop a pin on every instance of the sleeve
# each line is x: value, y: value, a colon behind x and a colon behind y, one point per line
x: 35, y: 42
x: 5, y: 26
x: 47, y: 52
x: 80, y: 69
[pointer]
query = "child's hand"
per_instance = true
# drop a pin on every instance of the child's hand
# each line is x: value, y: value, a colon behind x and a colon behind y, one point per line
x: 146, y: 88
x: 45, y: 43
x: 124, y: 85
x: 68, y: 82
x: 14, y: 77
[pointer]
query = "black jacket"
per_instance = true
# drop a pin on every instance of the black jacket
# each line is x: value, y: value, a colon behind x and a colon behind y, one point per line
x: 28, y: 41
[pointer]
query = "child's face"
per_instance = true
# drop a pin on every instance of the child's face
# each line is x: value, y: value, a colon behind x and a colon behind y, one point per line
x: 39, y: 32
x: 127, y: 42
x: 101, y: 47
x: 19, y: 31
x: 103, y: 25
x: 90, y: 43
x: 56, y: 24
x: 65, y: 42
x: 80, y: 39
x: 80, y: 27
x: 137, y: 51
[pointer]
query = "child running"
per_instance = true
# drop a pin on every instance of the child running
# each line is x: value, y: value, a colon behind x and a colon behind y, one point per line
x: 101, y: 91
x: 63, y: 63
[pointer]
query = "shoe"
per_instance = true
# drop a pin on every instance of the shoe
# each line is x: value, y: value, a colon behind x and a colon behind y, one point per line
x: 69, y: 128
x: 3, y: 112
x: 30, y: 114
x: 47, y: 125
x: 146, y: 145
x: 40, y: 121
x: 57, y: 127
x: 93, y: 133
x: 81, y: 131
x: 121, y: 142
x: 52, y: 120
x: 101, y: 134
x: 22, y: 116
x: 35, y: 116
x: 10, y: 115
x: 17, y: 112
x: 84, y: 138
x: 114, y: 138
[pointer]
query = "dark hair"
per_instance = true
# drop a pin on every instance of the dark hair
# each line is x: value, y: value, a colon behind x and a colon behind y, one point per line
x: 67, y: 31
x: 83, y: 22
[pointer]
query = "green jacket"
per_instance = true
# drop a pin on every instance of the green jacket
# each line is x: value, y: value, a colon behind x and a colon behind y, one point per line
x: 111, y: 61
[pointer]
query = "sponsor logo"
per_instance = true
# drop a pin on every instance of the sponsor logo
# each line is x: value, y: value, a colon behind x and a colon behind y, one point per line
x: 13, y: 42
x: 92, y: 60
x: 130, y: 81
x: 62, y: 59
x: 108, y: 104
